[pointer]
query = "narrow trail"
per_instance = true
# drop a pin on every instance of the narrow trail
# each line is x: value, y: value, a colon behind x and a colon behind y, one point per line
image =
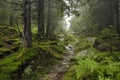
x: 58, y: 70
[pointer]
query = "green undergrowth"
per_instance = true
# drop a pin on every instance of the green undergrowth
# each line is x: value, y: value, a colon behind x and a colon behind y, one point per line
x: 42, y: 56
x: 100, y: 66
x: 84, y: 43
x: 70, y: 39
x: 97, y: 66
x: 94, y: 65
x: 3, y: 50
x: 49, y: 52
x: 8, y: 31
x: 8, y: 46
x: 10, y: 64
x: 55, y: 48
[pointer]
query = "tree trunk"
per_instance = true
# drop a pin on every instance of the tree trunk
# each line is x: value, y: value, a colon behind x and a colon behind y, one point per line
x: 49, y: 19
x: 117, y: 12
x: 27, y: 40
x: 11, y: 14
x: 40, y: 7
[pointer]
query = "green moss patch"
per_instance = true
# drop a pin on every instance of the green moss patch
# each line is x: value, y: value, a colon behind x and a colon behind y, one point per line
x: 52, y: 51
x: 57, y: 55
x: 11, y: 63
x: 4, y: 50
x: 56, y: 49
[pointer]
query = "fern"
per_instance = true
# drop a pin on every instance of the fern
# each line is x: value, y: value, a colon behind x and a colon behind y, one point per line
x: 97, y: 67
x: 85, y: 67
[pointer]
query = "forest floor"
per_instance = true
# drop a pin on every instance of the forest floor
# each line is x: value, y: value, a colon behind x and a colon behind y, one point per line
x: 59, y: 70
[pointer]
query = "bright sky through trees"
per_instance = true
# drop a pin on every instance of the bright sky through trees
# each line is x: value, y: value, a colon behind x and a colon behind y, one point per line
x: 68, y: 20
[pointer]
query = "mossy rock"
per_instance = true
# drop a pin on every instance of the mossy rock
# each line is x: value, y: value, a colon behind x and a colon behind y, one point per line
x: 4, y: 51
x: 7, y: 32
x: 12, y: 62
x: 25, y: 54
x: 8, y: 49
x: 13, y: 41
x: 48, y: 45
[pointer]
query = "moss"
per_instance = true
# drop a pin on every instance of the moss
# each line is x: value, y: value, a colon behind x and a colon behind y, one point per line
x: 49, y: 56
x: 84, y: 44
x: 47, y: 77
x: 30, y: 53
x: 48, y: 42
x: 49, y: 49
x: 4, y: 50
x: 21, y: 52
x: 45, y: 48
x: 15, y: 41
x: 57, y: 55
x: 7, y: 31
x: 12, y: 62
x: 10, y: 68
x: 69, y: 39
x: 58, y: 49
x: 8, y: 59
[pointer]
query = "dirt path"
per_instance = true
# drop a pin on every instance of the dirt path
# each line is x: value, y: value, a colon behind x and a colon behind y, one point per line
x: 58, y: 71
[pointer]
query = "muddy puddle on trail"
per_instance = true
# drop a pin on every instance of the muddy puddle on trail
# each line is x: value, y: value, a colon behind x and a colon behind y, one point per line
x: 58, y: 70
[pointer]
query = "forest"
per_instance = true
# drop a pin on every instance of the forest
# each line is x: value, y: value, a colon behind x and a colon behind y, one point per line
x: 59, y: 39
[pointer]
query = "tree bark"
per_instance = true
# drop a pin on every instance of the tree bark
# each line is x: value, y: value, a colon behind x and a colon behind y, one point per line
x: 40, y: 6
x: 11, y: 14
x: 27, y: 40
x: 48, y: 19
x: 117, y: 12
